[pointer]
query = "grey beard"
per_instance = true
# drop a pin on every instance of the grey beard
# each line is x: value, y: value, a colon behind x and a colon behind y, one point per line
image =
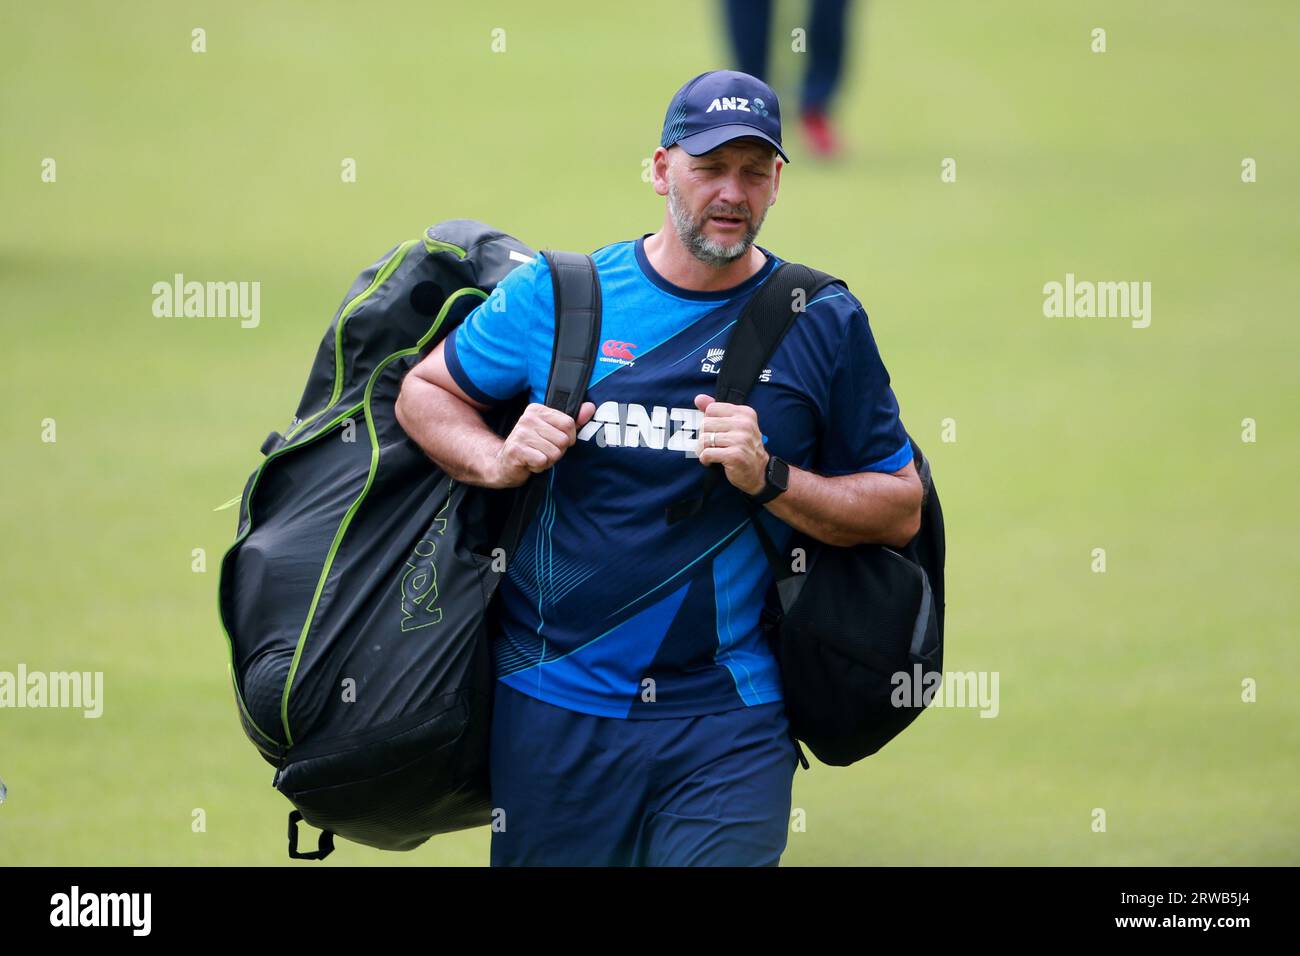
x: 708, y: 251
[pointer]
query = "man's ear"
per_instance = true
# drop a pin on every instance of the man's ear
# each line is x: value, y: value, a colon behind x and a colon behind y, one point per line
x: 660, y: 160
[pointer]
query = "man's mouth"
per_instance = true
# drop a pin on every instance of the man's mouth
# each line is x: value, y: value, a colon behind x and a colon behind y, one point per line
x: 729, y: 222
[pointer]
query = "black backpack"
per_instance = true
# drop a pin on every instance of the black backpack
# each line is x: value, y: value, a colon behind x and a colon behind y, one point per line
x: 358, y: 595
x: 852, y: 620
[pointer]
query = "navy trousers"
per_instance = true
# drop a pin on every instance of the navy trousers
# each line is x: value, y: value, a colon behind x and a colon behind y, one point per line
x: 748, y: 22
x: 573, y: 789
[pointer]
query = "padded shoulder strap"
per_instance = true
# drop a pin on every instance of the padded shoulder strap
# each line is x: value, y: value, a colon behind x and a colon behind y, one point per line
x: 577, y: 328
x: 766, y: 318
x: 573, y: 356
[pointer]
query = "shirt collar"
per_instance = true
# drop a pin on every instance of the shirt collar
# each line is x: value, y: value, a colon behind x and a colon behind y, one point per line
x: 716, y: 295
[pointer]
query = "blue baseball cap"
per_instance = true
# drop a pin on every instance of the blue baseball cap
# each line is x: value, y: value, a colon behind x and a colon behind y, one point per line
x: 719, y: 106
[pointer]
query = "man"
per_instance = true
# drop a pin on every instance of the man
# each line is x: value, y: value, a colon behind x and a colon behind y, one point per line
x: 638, y: 717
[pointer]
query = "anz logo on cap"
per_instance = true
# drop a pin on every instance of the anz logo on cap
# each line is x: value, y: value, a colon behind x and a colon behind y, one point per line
x: 740, y: 103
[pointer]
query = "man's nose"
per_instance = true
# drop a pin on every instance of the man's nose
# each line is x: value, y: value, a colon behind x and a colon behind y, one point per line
x: 731, y: 192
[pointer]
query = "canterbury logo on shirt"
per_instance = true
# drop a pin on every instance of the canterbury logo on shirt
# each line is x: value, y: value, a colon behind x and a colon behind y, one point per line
x: 617, y: 352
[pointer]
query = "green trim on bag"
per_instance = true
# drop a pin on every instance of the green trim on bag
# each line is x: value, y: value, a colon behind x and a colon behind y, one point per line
x: 356, y: 505
x: 438, y: 245
x: 382, y: 276
x: 239, y: 539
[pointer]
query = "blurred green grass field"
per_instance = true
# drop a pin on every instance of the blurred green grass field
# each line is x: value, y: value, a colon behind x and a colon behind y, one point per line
x: 1120, y: 690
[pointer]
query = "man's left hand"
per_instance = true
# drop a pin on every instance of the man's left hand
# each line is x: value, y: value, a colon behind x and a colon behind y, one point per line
x: 729, y: 436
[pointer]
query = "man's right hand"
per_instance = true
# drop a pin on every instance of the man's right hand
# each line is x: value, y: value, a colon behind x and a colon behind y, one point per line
x: 539, y: 439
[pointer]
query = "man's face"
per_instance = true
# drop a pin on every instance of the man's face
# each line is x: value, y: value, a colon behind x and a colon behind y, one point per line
x: 718, y: 201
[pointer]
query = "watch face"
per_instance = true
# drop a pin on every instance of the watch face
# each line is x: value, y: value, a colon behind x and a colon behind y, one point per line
x: 778, y: 472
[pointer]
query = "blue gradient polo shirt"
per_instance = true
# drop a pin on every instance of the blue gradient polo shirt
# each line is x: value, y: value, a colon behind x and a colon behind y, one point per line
x: 605, y: 608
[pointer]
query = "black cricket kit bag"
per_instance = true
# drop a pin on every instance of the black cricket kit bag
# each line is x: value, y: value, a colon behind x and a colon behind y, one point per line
x: 851, y: 622
x: 358, y: 594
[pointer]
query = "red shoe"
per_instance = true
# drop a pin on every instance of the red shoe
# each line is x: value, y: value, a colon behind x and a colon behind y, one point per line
x: 817, y: 131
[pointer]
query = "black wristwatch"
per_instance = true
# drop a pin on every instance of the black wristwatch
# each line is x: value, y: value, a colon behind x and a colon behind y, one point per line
x: 778, y: 479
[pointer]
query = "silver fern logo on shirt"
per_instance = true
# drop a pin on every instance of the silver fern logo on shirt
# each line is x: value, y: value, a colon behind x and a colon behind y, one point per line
x: 711, y: 364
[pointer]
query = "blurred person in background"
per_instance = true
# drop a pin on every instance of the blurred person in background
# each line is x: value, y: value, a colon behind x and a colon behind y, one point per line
x: 748, y: 25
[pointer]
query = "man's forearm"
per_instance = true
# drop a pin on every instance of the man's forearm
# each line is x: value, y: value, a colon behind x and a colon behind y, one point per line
x: 845, y: 510
x: 450, y: 432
